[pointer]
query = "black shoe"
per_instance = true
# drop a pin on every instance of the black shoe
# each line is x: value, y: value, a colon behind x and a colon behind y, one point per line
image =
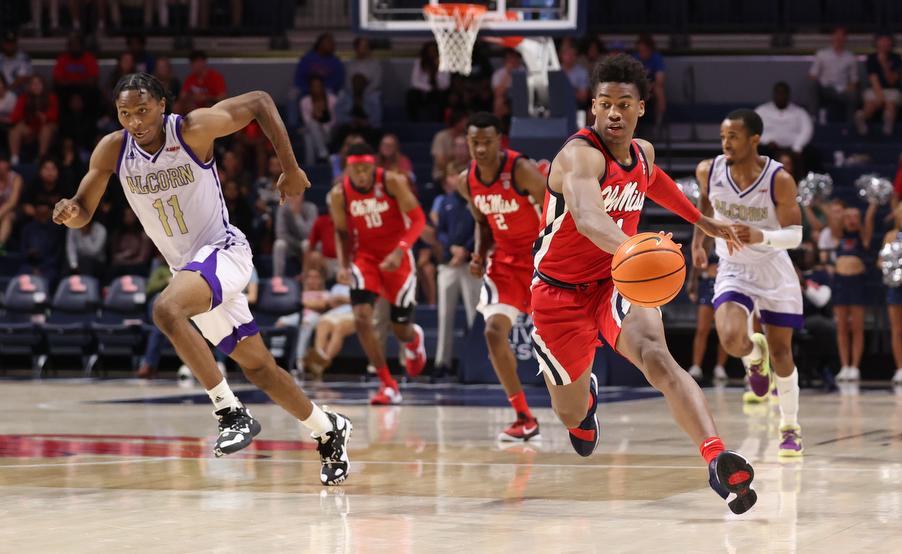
x: 237, y: 429
x: 729, y: 474
x: 585, y: 437
x: 333, y: 450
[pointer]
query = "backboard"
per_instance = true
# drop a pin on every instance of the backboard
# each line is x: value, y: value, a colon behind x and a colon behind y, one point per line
x: 504, y: 17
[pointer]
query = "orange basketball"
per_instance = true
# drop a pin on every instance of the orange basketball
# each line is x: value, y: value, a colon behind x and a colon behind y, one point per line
x: 649, y: 269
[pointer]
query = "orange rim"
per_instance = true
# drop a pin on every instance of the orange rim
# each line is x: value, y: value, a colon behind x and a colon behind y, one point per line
x: 454, y: 9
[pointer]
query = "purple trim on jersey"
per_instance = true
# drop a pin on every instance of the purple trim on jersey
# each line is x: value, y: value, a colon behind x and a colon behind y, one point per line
x: 733, y: 296
x: 773, y: 179
x: 228, y: 344
x: 178, y: 134
x: 779, y: 319
x: 746, y: 192
x: 207, y: 270
x: 121, y: 151
x: 222, y: 206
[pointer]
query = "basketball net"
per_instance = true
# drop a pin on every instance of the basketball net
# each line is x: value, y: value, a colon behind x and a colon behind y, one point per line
x: 455, y: 27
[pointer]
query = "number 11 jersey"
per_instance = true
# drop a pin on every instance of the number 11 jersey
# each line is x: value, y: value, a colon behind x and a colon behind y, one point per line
x: 176, y: 197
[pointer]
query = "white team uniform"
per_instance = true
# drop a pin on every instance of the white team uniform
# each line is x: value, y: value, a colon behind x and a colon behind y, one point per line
x: 758, y: 277
x: 178, y: 200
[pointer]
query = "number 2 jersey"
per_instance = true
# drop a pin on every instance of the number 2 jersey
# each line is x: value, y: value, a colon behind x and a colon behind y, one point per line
x: 176, y: 197
x: 375, y: 221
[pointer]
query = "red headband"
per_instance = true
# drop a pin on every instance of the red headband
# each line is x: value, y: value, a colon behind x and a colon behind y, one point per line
x: 362, y: 159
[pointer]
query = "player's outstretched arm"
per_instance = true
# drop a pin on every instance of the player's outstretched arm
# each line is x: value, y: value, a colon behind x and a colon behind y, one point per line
x: 342, y: 240
x: 482, y: 240
x: 398, y: 186
x: 702, y: 175
x: 867, y: 230
x: 77, y: 211
x: 202, y: 126
x: 788, y: 214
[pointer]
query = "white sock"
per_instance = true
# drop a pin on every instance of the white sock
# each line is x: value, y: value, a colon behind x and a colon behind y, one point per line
x: 754, y: 356
x: 788, y: 389
x: 222, y: 396
x: 318, y: 422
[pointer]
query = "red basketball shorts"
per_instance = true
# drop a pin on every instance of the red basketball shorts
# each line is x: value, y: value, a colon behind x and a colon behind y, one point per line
x: 398, y: 287
x: 567, y: 323
x: 506, y: 288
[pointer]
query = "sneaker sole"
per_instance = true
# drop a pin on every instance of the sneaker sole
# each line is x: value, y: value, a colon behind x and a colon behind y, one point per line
x: 255, y: 430
x: 340, y: 480
x: 791, y: 453
x: 504, y: 437
x: 730, y: 464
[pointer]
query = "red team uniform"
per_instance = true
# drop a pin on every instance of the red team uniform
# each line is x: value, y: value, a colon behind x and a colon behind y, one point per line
x: 573, y: 296
x: 376, y: 224
x: 514, y: 220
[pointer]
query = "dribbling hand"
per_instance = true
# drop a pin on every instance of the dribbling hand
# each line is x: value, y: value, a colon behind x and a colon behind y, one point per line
x: 699, y: 257
x: 720, y: 230
x: 66, y: 210
x: 292, y: 183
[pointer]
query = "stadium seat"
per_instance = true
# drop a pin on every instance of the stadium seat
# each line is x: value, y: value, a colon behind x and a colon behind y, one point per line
x: 24, y: 305
x: 277, y: 297
x: 68, y: 327
x: 118, y: 330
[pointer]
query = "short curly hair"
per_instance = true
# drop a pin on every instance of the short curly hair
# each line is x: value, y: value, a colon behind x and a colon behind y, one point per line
x: 621, y: 68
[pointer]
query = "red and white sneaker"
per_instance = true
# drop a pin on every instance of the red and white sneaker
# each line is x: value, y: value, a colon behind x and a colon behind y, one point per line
x: 522, y: 430
x: 386, y: 396
x: 415, y: 353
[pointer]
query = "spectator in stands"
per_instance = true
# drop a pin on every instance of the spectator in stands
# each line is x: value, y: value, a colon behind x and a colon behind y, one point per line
x: 428, y: 86
x: 163, y: 72
x: 318, y: 114
x: 241, y: 214
x: 454, y: 233
x: 319, y: 250
x: 326, y: 312
x: 364, y: 64
x: 78, y: 125
x: 71, y: 167
x: 656, y: 103
x: 37, y: 13
x: 786, y: 125
x: 576, y: 73
x: 42, y: 244
x: 883, y: 67
x: 86, y: 249
x: 338, y: 160
x: 125, y: 64
x: 266, y: 195
x: 390, y: 157
x: 137, y: 47
x: 850, y: 291
x: 894, y: 301
x: 76, y: 72
x: 10, y: 192
x: 145, y: 6
x: 203, y: 87
x: 443, y: 144
x: 294, y: 220
x: 99, y: 13
x: 232, y: 169
x: 34, y: 119
x: 15, y: 65
x: 7, y: 105
x: 817, y: 342
x: 194, y: 15
x: 130, y: 248
x: 158, y: 280
x: 315, y: 300
x: 835, y: 76
x: 45, y: 189
x: 501, y: 82
x: 357, y: 111
x: 595, y: 50
x: 320, y: 62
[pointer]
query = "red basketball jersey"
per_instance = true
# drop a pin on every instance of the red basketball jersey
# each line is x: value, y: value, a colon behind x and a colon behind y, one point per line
x: 512, y: 215
x: 563, y: 253
x: 375, y: 221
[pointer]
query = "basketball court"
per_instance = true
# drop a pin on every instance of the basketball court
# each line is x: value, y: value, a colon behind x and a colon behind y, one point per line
x: 117, y: 466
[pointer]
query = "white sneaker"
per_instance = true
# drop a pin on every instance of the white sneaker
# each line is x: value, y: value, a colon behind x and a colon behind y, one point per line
x: 854, y: 374
x: 897, y: 378
x: 720, y: 374
x: 843, y: 374
x: 696, y: 372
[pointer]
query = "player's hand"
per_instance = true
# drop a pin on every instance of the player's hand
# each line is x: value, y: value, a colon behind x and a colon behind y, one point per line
x: 292, y: 183
x: 748, y: 235
x: 720, y: 230
x: 392, y: 262
x: 699, y: 257
x: 477, y: 266
x: 66, y: 210
x: 344, y: 276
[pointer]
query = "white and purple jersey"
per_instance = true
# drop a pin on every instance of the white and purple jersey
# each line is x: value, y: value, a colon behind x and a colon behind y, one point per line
x: 177, y: 197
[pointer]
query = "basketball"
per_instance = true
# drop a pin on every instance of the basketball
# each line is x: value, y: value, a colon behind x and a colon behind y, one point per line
x: 649, y: 269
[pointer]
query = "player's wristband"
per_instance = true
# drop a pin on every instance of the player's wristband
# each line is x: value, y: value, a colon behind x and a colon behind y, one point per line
x: 783, y: 239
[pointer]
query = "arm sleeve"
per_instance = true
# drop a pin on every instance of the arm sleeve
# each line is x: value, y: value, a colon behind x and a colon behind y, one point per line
x: 417, y: 223
x: 665, y: 192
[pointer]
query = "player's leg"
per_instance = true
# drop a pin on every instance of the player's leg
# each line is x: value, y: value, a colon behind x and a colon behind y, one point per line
x: 731, y: 317
x: 841, y: 315
x: 704, y: 321
x: 856, y: 325
x: 499, y: 322
x: 362, y: 302
x: 779, y: 339
x: 720, y: 372
x: 890, y: 108
x: 895, y: 324
x: 641, y: 340
x: 401, y: 288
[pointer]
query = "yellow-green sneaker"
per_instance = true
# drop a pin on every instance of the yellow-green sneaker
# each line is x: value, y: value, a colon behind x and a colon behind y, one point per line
x: 791, y: 445
x: 759, y: 371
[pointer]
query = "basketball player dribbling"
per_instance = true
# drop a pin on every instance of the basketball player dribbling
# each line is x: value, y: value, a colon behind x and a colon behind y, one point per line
x: 596, y: 188
x: 758, y: 198
x: 168, y: 174
x: 503, y: 190
x: 377, y: 220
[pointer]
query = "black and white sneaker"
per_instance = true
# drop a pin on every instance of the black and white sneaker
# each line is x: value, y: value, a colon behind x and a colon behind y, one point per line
x: 731, y: 475
x: 333, y: 450
x: 237, y: 429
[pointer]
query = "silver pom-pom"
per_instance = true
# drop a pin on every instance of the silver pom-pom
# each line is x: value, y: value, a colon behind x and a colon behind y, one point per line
x: 689, y: 187
x: 814, y: 187
x: 891, y: 263
x: 874, y: 188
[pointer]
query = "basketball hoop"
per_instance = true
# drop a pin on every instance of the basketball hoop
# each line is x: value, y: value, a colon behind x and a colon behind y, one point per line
x: 455, y: 27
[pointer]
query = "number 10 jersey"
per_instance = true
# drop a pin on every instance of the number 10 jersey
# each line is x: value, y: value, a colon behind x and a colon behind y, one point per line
x: 177, y: 197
